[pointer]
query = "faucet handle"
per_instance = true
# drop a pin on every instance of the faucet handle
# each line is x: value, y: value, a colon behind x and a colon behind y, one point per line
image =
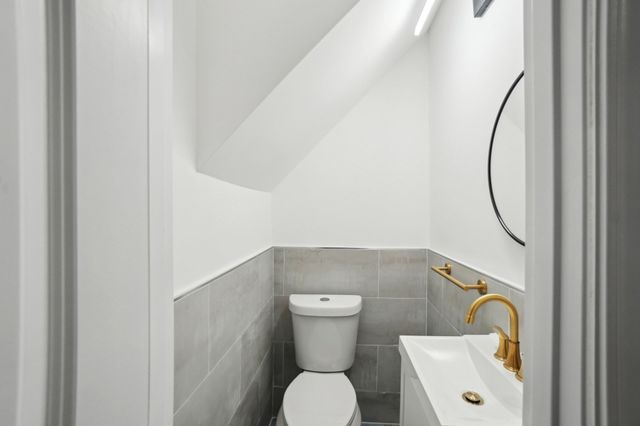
x: 501, y: 352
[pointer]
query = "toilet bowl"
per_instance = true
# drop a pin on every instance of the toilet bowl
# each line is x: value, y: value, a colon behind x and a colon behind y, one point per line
x: 325, y: 329
x: 319, y: 399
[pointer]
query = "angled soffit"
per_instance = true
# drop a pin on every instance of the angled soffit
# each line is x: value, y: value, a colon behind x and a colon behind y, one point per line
x: 245, y: 48
x: 253, y: 140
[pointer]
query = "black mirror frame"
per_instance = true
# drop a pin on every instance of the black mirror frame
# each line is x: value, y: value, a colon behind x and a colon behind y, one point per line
x: 493, y: 134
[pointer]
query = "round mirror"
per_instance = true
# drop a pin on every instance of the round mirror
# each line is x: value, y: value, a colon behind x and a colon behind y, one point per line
x: 507, y: 162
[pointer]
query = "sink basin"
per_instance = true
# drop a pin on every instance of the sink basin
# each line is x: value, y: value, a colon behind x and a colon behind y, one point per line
x: 446, y: 367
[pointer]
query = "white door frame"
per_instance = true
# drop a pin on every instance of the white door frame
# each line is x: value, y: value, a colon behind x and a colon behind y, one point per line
x: 583, y: 191
x: 160, y: 42
x: 25, y: 185
x: 23, y: 198
x: 124, y: 168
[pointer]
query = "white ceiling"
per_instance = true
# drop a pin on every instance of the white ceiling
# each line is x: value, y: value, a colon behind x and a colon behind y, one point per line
x: 263, y: 104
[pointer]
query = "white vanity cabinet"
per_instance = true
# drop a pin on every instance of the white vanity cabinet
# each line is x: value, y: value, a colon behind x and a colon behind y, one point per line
x: 415, y: 409
x: 456, y: 381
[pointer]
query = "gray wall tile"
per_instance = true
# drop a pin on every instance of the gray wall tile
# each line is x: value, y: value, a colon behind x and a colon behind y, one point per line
x: 191, y: 344
x: 266, y: 419
x: 383, y: 320
x: 456, y: 304
x: 278, y: 394
x: 283, y: 327
x: 403, y: 273
x: 447, y: 308
x: 256, y: 343
x: 237, y: 309
x: 333, y: 271
x: 264, y: 378
x: 278, y: 271
x: 215, y: 400
x: 255, y: 407
x: 437, y: 325
x: 247, y: 412
x: 265, y: 264
x: 232, y: 296
x: 278, y: 363
x: 291, y: 369
x: 364, y: 372
x: 399, y: 308
x: 379, y: 424
x: 434, y: 281
x: 388, y: 369
x: 379, y: 407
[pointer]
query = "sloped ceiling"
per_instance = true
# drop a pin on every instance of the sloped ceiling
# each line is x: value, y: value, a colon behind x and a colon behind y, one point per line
x: 245, y: 48
x: 270, y: 86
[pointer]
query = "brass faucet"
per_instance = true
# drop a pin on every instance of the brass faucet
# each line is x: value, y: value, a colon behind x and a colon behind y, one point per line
x: 512, y: 361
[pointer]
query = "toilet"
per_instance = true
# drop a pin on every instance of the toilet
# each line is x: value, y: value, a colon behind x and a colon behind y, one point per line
x: 325, y: 328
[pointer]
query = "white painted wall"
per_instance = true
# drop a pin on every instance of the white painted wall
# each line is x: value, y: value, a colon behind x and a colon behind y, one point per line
x: 314, y: 96
x: 216, y: 225
x: 365, y: 183
x: 472, y: 63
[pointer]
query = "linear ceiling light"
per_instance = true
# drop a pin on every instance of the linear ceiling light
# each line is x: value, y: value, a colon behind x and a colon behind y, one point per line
x: 424, y: 16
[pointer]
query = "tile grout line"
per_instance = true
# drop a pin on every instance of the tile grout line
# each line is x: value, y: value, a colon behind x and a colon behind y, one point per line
x: 394, y: 298
x: 220, y: 360
x: 378, y: 273
x: 253, y: 379
x: 377, y: 365
x: 382, y: 344
x: 446, y: 319
x: 426, y: 293
x: 208, y: 329
x: 273, y: 326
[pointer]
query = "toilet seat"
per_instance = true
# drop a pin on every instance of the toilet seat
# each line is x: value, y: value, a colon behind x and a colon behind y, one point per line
x: 319, y: 399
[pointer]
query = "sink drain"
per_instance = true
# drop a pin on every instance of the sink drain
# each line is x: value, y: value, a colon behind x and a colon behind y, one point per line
x: 473, y: 398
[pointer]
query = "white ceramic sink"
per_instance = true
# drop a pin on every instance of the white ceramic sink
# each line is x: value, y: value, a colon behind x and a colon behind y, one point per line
x: 446, y: 367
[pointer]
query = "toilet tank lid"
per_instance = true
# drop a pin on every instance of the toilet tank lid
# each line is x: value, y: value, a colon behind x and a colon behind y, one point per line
x: 325, y: 305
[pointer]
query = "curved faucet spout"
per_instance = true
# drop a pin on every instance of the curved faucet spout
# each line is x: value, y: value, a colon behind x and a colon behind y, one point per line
x: 513, y: 312
x: 513, y: 361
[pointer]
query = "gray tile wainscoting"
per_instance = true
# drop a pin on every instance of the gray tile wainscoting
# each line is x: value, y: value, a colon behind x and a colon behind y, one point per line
x: 393, y: 284
x: 223, y: 358
x: 234, y: 349
x: 447, y: 304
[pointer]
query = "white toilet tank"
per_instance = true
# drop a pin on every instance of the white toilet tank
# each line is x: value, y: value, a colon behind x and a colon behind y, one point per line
x: 325, y: 328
